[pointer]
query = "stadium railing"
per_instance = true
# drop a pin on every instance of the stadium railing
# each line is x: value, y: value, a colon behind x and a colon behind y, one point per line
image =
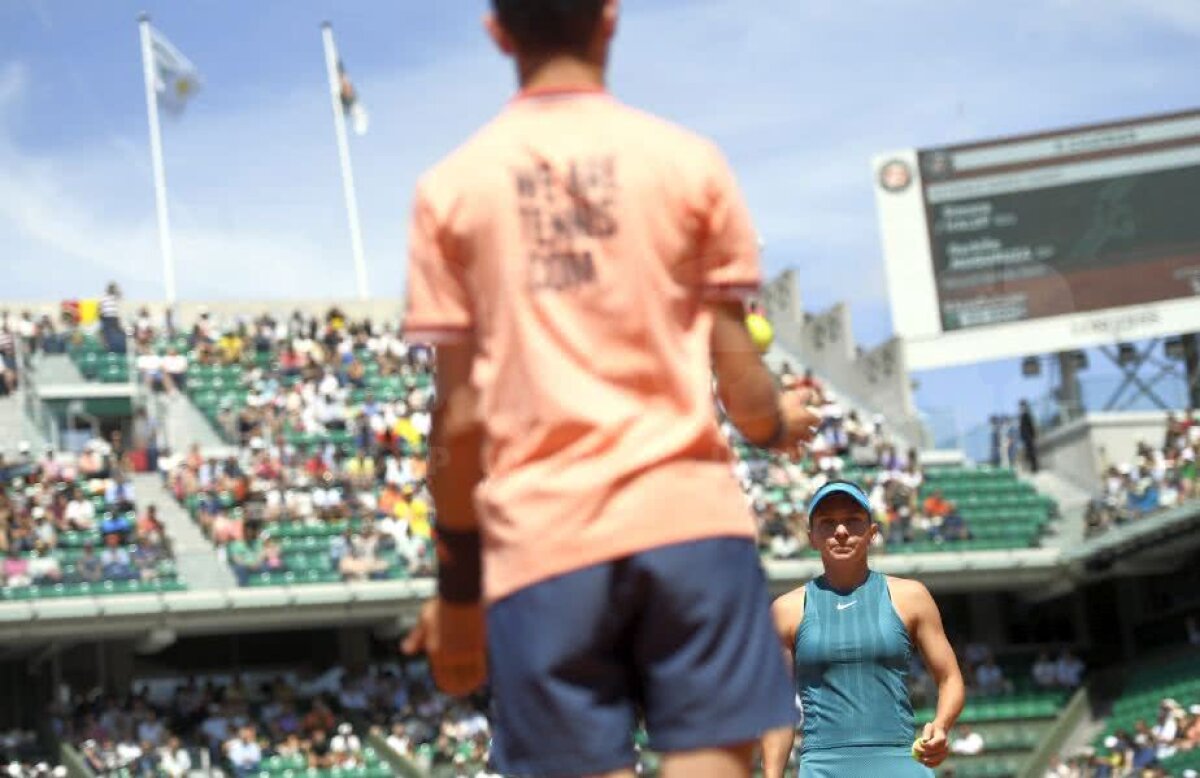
x: 1068, y: 720
x: 400, y: 764
x: 70, y: 758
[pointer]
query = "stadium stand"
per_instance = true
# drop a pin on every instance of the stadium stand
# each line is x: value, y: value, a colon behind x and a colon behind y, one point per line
x: 1156, y: 719
x: 329, y: 423
x: 920, y: 510
x: 22, y: 756
x: 69, y: 527
x: 320, y: 404
x: 1012, y: 701
x: 1154, y: 478
x: 246, y: 726
x: 289, y: 518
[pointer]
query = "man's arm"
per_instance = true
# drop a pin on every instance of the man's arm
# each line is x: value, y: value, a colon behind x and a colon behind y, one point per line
x: 451, y: 628
x: 930, y: 637
x: 747, y: 389
x: 777, y: 744
x: 455, y: 440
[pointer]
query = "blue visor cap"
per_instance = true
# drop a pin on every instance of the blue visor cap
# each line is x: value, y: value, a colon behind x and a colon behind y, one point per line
x: 840, y: 487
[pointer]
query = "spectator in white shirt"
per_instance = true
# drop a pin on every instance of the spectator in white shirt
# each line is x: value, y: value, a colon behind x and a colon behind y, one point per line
x: 1166, y: 729
x: 244, y: 752
x: 173, y: 759
x: 150, y: 369
x: 345, y: 742
x: 967, y: 743
x: 399, y: 741
x: 80, y: 512
x: 328, y: 385
x: 174, y: 366
x: 127, y: 753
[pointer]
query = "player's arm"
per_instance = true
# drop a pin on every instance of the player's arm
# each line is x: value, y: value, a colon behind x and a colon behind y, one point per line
x: 451, y: 626
x: 930, y: 637
x: 455, y: 469
x: 747, y: 390
x: 786, y: 613
x: 440, y: 310
x: 728, y: 254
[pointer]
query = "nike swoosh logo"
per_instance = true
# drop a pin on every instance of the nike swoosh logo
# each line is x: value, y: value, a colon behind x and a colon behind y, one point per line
x: 844, y: 605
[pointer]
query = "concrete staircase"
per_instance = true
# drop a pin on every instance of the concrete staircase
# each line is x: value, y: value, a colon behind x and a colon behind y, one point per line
x: 16, y: 428
x: 195, y: 557
x: 50, y: 369
x: 183, y: 425
x: 1072, y: 502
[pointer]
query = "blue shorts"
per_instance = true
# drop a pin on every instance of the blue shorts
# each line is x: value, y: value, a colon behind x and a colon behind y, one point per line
x: 681, y: 635
x: 860, y: 761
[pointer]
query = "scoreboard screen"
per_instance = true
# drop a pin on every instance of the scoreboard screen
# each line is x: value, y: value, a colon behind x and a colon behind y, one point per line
x: 1044, y: 242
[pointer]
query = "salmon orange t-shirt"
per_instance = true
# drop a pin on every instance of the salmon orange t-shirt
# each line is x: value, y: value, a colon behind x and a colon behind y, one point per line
x: 576, y: 240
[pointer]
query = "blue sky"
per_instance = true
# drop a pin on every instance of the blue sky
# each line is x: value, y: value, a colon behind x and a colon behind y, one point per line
x: 800, y: 95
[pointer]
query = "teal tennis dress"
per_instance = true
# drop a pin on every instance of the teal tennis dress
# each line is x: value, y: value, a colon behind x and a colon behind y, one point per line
x: 852, y: 658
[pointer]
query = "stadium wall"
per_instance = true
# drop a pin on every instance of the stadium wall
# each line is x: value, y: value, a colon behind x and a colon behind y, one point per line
x: 1083, y: 449
x: 378, y: 309
x: 875, y: 379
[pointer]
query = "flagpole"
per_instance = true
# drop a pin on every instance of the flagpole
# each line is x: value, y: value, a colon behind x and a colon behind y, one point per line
x: 343, y: 143
x: 156, y: 156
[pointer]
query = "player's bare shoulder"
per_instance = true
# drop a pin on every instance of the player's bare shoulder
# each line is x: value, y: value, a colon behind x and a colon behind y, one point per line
x: 908, y: 589
x: 910, y: 597
x: 787, y: 611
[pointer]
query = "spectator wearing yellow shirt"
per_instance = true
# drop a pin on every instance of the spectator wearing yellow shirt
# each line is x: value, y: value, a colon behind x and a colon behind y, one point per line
x: 361, y: 470
x: 231, y: 346
x: 414, y: 510
x: 405, y: 430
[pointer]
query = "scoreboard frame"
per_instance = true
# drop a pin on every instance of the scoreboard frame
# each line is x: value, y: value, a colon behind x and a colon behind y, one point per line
x: 907, y: 181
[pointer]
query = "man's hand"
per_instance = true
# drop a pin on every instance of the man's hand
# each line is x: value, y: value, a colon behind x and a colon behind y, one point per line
x: 801, y: 418
x: 454, y: 638
x: 934, y: 747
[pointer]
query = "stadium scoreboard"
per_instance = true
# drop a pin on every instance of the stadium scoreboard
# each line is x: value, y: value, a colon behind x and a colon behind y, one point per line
x: 1044, y: 242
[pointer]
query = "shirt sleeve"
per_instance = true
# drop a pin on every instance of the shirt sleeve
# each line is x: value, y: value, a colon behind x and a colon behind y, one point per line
x: 438, y: 307
x: 729, y: 253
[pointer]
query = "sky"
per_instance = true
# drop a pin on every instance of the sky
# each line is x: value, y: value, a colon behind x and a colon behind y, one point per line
x: 799, y: 94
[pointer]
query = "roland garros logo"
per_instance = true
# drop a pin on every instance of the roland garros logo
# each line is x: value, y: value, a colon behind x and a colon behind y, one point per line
x: 895, y: 176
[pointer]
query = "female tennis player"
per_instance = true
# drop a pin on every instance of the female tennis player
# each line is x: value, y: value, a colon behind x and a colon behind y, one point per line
x: 849, y: 636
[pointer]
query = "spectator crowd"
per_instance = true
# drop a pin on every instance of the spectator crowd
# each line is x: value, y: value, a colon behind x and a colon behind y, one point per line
x: 1154, y: 478
x: 73, y: 520
x: 245, y: 724
x: 22, y: 756
x: 1138, y: 753
x: 331, y: 418
x: 846, y: 446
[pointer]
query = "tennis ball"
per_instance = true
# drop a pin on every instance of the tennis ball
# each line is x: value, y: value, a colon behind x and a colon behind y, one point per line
x: 761, y: 331
x: 917, y: 748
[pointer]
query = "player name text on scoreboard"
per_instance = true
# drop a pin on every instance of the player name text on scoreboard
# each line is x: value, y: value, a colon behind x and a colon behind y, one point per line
x: 1043, y: 243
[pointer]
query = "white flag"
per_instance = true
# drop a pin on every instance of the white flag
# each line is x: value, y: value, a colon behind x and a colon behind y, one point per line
x: 175, y: 77
x: 351, y: 105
